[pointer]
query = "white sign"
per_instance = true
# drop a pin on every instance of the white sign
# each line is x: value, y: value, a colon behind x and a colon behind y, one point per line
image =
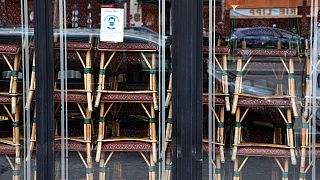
x: 112, y: 24
x: 264, y: 12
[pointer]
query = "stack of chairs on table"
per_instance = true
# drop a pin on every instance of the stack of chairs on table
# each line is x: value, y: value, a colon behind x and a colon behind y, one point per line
x: 130, y: 93
x: 251, y: 109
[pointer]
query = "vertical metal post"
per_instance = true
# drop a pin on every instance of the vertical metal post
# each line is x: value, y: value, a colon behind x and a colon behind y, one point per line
x: 44, y: 88
x: 187, y: 89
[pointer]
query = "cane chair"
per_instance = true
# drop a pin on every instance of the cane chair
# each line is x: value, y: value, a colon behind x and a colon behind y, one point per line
x: 274, y: 144
x: 134, y: 49
x: 221, y: 61
x: 266, y: 56
x: 78, y: 95
x: 77, y: 110
x: 307, y: 115
x: 119, y: 143
x: 10, y: 142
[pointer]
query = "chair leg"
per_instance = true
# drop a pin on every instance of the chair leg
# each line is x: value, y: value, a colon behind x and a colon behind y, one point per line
x: 236, y: 173
x: 101, y: 132
x: 152, y: 167
x: 169, y: 125
x: 32, y: 83
x: 292, y: 87
x: 102, y: 77
x: 221, y: 134
x: 87, y: 139
x: 14, y: 75
x: 169, y: 94
x: 16, y: 134
x: 286, y: 170
x: 153, y: 136
x: 88, y: 79
x: 304, y: 135
x: 237, y: 135
x: 237, y: 89
x: 33, y: 134
x: 225, y: 82
x: 102, y: 170
x: 290, y: 138
x: 154, y: 82
x: 168, y: 164
x: 218, y: 167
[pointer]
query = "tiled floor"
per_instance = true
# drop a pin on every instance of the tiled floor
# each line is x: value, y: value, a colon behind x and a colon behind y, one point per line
x: 131, y: 166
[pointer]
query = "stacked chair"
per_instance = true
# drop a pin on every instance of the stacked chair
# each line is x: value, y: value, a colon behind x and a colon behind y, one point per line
x: 281, y: 110
x: 10, y: 102
x: 119, y: 58
x: 307, y: 115
x: 78, y: 95
x: 222, y: 103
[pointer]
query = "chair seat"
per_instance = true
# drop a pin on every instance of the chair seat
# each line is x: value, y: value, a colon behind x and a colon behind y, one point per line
x: 253, y: 102
x: 205, y: 148
x: 309, y: 152
x: 148, y: 98
x: 267, y: 52
x: 71, y: 97
x: 218, y: 50
x: 75, y: 46
x: 218, y: 100
x: 263, y: 151
x: 7, y: 149
x: 127, y: 146
x: 128, y: 58
x: 127, y: 46
x: 71, y: 45
x: 9, y: 48
x: 72, y: 146
x: 5, y: 99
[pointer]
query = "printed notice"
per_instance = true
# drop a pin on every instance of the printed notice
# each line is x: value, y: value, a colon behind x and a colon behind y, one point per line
x: 112, y: 24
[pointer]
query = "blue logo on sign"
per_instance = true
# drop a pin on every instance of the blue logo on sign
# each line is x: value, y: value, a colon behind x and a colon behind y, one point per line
x: 112, y: 22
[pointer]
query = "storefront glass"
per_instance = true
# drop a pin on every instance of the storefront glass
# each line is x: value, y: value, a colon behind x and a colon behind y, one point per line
x: 113, y: 81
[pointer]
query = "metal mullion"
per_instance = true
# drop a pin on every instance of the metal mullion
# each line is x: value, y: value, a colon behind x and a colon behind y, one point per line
x: 44, y: 84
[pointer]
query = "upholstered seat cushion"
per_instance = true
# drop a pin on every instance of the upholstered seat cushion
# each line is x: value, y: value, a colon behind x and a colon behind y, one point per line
x: 104, y: 46
x: 253, y: 102
x: 263, y: 151
x: 7, y: 149
x: 218, y: 100
x: 218, y: 50
x: 9, y: 48
x: 72, y: 146
x: 71, y: 45
x: 71, y: 97
x: 267, y: 52
x: 127, y: 146
x: 127, y: 98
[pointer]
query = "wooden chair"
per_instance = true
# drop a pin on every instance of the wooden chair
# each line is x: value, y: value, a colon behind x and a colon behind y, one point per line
x: 79, y: 98
x: 9, y: 100
x: 276, y: 145
x: 10, y: 142
x: 141, y: 48
x: 13, y: 63
x: 260, y: 55
x: 126, y: 54
x: 117, y: 142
